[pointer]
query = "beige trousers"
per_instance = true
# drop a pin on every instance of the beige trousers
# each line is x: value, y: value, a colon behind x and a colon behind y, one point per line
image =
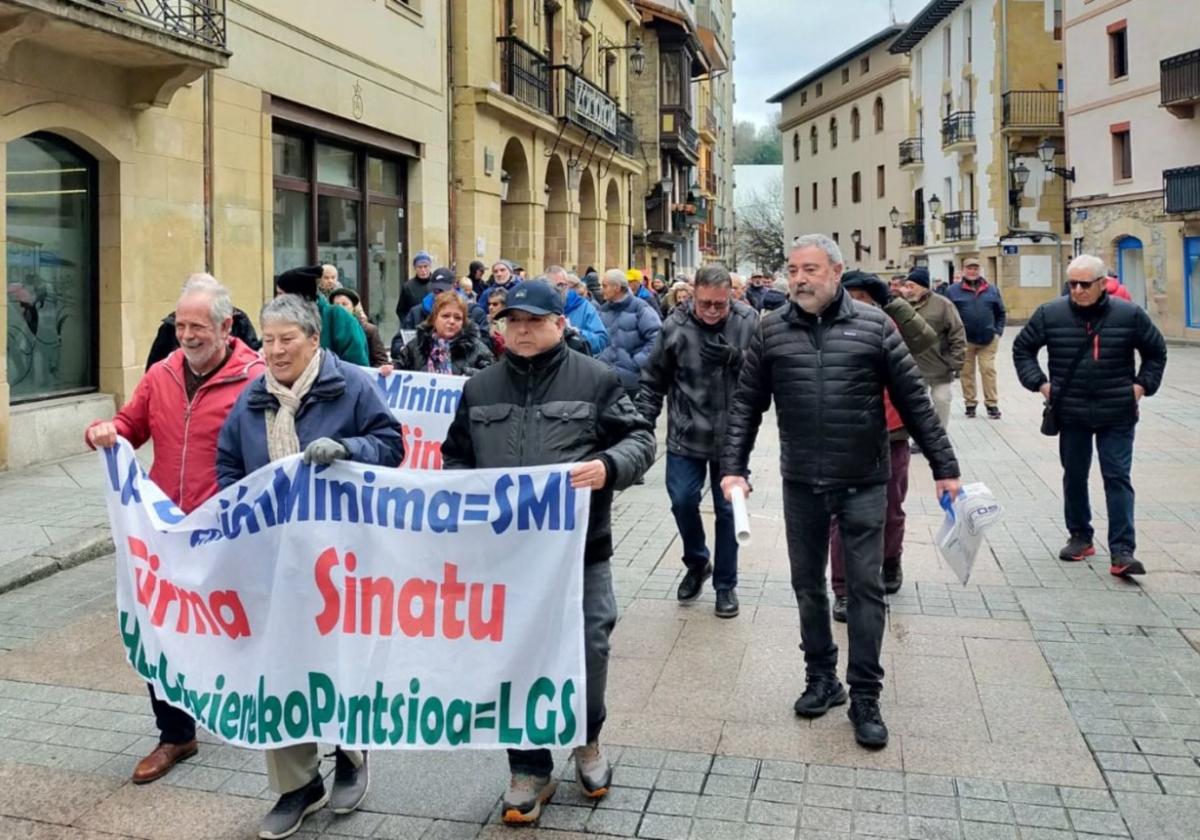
x: 985, y: 354
x: 941, y: 394
x: 291, y: 768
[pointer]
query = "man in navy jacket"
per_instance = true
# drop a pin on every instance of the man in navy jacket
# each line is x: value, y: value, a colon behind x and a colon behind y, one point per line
x: 982, y: 310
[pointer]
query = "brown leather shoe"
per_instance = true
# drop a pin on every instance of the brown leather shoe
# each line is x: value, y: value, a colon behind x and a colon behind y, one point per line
x: 161, y: 760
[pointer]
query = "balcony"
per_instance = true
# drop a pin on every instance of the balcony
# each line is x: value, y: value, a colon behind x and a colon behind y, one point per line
x: 958, y: 131
x: 677, y: 136
x: 1040, y: 111
x: 524, y: 73
x: 960, y: 226
x: 586, y: 106
x: 708, y: 126
x: 912, y: 234
x: 708, y: 182
x: 159, y: 45
x: 626, y: 134
x: 912, y: 153
x: 1179, y: 80
x: 1181, y: 190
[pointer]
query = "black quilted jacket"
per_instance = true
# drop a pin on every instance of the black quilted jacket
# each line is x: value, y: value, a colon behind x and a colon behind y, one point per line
x: 827, y: 374
x: 1100, y: 394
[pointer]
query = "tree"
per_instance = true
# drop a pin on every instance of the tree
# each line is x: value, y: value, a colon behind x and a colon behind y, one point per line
x: 755, y: 144
x: 760, y: 228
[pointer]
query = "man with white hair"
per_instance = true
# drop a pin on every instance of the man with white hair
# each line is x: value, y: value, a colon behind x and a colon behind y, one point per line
x: 738, y: 284
x: 180, y: 405
x: 1092, y: 390
x: 632, y: 326
x: 579, y: 312
x: 825, y: 360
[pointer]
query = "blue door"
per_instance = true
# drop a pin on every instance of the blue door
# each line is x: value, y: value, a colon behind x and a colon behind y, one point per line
x: 1131, y: 269
x: 1191, y: 279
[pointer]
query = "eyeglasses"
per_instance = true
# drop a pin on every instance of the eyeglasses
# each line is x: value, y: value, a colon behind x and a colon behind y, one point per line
x: 1083, y: 284
x: 712, y: 305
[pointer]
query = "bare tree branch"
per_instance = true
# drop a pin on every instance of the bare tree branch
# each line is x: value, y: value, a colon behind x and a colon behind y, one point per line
x: 760, y: 228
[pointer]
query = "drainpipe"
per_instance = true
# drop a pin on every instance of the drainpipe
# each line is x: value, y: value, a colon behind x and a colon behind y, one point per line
x: 1013, y: 213
x: 452, y: 186
x: 208, y: 171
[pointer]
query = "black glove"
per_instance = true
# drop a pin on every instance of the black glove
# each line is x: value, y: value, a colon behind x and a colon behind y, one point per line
x: 717, y: 351
x: 879, y: 291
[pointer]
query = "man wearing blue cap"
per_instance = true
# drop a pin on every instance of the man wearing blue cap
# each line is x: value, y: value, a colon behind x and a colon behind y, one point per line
x: 505, y: 419
x: 415, y: 289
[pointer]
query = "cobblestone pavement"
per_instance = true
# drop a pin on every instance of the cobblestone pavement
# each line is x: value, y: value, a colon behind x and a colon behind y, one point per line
x: 1044, y: 701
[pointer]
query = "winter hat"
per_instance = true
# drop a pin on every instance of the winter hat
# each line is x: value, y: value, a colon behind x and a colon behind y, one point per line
x: 300, y: 281
x: 347, y: 293
x: 855, y: 279
x: 633, y: 275
x: 920, y: 276
x: 422, y: 257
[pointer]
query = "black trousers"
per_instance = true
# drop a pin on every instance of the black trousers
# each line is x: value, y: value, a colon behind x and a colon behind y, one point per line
x: 175, y: 726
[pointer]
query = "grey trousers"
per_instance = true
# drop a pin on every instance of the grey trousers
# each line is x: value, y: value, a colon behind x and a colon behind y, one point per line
x: 941, y: 393
x: 599, y: 618
x: 291, y: 768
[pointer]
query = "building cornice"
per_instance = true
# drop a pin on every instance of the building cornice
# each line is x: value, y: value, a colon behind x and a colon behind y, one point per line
x: 1104, y: 199
x: 881, y: 81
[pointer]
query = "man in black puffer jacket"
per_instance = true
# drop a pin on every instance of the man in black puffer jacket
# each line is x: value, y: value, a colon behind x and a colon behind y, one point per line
x: 695, y: 364
x: 544, y: 404
x: 826, y: 361
x: 1098, y: 399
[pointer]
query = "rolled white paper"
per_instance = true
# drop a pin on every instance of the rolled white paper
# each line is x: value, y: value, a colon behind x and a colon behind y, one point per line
x: 741, y: 519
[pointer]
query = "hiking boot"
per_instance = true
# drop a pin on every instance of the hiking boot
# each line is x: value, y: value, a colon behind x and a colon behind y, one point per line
x: 1076, y: 549
x: 727, y: 603
x: 1123, y: 565
x: 869, y: 729
x: 693, y: 582
x: 525, y: 797
x: 289, y: 812
x: 592, y: 770
x: 893, y: 579
x: 350, y: 783
x: 839, y: 608
x: 970, y: 412
x: 993, y: 412
x: 819, y: 696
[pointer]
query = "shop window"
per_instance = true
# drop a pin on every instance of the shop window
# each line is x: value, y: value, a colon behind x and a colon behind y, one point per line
x: 52, y: 268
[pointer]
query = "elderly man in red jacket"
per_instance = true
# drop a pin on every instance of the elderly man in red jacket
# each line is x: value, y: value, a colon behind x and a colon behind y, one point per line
x: 180, y: 405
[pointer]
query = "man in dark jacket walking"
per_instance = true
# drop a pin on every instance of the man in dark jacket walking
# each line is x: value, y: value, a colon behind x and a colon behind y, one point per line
x: 826, y: 361
x: 940, y: 364
x: 1093, y: 390
x: 694, y: 365
x: 543, y: 404
x: 982, y: 311
x: 416, y: 287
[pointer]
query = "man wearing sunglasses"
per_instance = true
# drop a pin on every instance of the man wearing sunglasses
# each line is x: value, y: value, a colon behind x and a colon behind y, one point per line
x: 695, y: 365
x: 1093, y: 387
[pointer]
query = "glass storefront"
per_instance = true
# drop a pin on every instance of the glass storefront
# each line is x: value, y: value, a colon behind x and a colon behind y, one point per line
x: 52, y: 286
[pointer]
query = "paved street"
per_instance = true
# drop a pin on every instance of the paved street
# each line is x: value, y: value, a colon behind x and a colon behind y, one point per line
x: 1041, y: 702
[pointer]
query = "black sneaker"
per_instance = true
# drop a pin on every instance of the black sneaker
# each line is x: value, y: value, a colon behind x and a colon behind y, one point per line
x: 993, y: 412
x: 893, y: 579
x: 727, y: 603
x: 693, y: 582
x: 1123, y: 565
x: 350, y: 783
x: 869, y: 729
x: 839, y: 608
x: 1076, y: 549
x: 289, y: 812
x: 970, y: 412
x: 819, y: 696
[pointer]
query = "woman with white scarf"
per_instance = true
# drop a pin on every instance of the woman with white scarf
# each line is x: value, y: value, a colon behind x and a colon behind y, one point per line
x: 310, y: 402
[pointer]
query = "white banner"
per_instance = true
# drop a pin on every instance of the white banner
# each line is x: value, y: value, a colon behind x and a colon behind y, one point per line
x: 424, y: 403
x: 352, y: 605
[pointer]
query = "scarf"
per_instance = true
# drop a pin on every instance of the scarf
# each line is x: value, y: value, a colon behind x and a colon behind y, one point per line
x: 439, y: 357
x: 282, y: 440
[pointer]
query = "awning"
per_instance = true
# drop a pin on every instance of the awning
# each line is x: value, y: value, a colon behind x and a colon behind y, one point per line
x: 717, y: 61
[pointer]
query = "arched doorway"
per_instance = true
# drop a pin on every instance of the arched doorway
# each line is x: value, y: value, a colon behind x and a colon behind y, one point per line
x: 590, y: 224
x: 52, y: 268
x: 558, y: 214
x: 516, y: 204
x: 615, y: 238
x: 1131, y: 268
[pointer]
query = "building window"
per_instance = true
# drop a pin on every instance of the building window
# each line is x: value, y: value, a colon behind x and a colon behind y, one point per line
x: 1058, y: 20
x: 812, y: 139
x: 946, y: 52
x: 833, y: 192
x: 881, y: 246
x: 820, y: 89
x: 796, y: 200
x: 814, y: 195
x: 672, y: 88
x: 343, y: 204
x: 795, y: 145
x: 878, y: 109
x: 53, y: 286
x: 855, y: 123
x: 833, y: 134
x: 856, y: 188
x: 1122, y: 152
x: 880, y: 181
x: 845, y: 75
x: 803, y: 97
x: 864, y: 66
x: 968, y: 47
x: 835, y: 238
x: 1118, y: 51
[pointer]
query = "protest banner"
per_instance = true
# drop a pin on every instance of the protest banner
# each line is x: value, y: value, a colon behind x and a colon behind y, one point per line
x: 424, y: 404
x: 359, y: 606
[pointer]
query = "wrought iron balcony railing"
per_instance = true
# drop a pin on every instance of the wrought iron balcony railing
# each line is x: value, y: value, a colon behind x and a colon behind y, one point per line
x: 1179, y: 80
x: 912, y: 234
x: 960, y: 225
x: 1181, y: 190
x: 202, y: 21
x: 524, y: 73
x: 1033, y: 109
x: 912, y: 151
x: 959, y: 127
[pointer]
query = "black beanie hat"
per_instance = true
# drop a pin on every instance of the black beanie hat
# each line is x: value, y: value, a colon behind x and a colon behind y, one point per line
x: 920, y: 276
x: 300, y: 281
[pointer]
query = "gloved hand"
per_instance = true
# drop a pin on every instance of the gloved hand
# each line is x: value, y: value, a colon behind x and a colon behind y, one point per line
x: 717, y: 351
x: 324, y: 451
x: 879, y: 291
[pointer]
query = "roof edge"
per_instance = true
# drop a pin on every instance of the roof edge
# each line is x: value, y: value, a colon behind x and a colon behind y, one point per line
x: 922, y: 24
x: 855, y: 51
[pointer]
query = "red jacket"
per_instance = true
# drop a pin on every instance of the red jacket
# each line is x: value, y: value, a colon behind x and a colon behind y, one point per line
x: 185, y: 435
x: 1113, y: 287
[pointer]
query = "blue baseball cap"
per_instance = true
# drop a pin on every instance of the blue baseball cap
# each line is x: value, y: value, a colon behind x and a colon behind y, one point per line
x: 537, y: 297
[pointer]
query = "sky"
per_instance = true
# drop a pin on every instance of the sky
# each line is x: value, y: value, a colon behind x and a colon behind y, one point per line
x: 780, y: 41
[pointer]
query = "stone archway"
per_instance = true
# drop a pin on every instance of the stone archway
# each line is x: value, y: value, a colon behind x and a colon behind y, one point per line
x: 557, y: 245
x: 516, y: 204
x: 590, y: 224
x: 616, y: 229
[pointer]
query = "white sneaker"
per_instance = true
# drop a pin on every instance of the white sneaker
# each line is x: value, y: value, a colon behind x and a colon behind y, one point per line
x: 525, y: 797
x: 592, y: 770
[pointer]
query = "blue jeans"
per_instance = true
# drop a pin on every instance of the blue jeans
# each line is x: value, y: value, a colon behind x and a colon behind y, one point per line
x: 685, y: 484
x: 1114, y: 447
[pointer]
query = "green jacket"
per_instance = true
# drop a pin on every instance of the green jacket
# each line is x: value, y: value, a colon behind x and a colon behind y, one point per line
x: 918, y: 337
x: 941, y: 363
x: 342, y: 334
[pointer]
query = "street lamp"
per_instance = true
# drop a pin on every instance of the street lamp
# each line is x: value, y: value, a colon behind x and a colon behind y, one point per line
x: 1046, y: 154
x: 894, y: 217
x: 1020, y: 177
x: 583, y: 8
x: 637, y: 61
x: 935, y: 206
x: 856, y: 238
x: 505, y: 180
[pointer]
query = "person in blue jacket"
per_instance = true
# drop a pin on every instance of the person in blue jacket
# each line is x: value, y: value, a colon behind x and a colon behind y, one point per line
x: 579, y: 311
x: 983, y: 315
x: 632, y: 324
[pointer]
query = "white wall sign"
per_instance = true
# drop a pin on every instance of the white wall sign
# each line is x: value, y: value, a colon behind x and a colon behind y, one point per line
x: 1037, y: 271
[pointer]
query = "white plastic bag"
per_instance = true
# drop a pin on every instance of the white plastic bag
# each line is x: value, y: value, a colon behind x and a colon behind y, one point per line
x: 967, y: 519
